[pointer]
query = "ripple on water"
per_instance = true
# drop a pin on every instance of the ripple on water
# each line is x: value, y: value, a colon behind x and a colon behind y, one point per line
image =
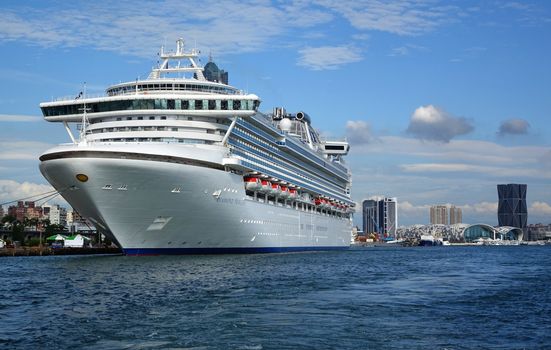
x: 392, y: 298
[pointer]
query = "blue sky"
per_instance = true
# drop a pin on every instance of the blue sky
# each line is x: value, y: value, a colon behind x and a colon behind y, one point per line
x: 440, y: 100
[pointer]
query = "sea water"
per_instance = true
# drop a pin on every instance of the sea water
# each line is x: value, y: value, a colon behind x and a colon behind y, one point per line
x: 496, y: 297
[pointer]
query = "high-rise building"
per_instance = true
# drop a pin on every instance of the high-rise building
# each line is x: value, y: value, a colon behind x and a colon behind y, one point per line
x: 388, y: 214
x: 439, y: 215
x: 380, y: 216
x: 511, y: 209
x: 456, y: 215
x: 370, y: 216
x: 1, y: 211
x: 58, y: 215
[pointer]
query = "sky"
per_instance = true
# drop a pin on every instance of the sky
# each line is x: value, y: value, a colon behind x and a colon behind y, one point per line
x: 440, y: 100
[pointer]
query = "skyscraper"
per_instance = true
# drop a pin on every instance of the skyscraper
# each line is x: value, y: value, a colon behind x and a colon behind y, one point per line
x: 370, y: 216
x: 380, y: 216
x: 456, y: 215
x: 511, y: 209
x: 388, y: 216
x: 439, y: 215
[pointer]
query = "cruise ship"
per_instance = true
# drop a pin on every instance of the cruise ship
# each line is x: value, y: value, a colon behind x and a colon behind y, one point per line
x: 180, y: 163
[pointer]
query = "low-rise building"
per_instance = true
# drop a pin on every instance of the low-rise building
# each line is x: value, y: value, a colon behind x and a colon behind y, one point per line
x: 539, y: 232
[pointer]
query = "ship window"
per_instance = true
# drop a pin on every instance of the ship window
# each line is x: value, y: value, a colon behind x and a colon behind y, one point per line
x: 151, y: 118
x: 185, y: 104
x: 163, y: 118
x: 198, y: 104
x: 140, y: 118
x: 174, y: 129
x: 236, y: 105
x: 119, y: 119
x: 143, y: 104
x: 128, y: 118
x: 160, y: 104
x: 212, y: 104
x: 189, y: 118
x: 224, y: 105
x: 161, y: 128
x: 170, y: 104
x: 256, y: 104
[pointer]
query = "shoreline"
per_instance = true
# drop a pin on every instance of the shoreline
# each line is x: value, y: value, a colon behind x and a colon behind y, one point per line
x: 47, y: 251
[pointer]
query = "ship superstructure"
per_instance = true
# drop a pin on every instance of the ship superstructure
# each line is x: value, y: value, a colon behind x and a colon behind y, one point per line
x: 176, y: 163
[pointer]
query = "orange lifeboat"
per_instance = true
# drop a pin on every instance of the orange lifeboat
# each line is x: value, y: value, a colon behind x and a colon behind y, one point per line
x: 275, y: 190
x: 252, y: 183
x: 265, y: 185
x: 293, y: 193
x: 284, y: 192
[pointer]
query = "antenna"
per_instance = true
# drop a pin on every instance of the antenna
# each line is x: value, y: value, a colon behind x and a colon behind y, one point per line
x: 84, y: 117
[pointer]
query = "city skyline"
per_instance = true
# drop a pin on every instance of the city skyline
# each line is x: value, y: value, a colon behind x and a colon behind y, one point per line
x: 440, y: 101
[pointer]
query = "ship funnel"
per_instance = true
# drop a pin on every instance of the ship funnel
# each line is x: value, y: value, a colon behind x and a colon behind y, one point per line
x: 302, y: 116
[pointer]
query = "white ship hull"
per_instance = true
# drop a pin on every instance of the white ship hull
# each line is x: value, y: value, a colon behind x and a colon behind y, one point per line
x: 157, y: 207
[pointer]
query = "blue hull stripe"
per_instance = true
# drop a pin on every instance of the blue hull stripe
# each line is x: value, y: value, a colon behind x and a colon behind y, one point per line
x: 183, y: 251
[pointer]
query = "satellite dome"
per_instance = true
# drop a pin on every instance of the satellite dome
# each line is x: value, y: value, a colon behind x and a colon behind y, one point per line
x: 285, y: 124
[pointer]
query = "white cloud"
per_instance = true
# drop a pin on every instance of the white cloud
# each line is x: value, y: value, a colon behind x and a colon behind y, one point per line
x: 461, y: 155
x: 402, y: 18
x: 358, y: 132
x: 513, y: 127
x: 488, y: 208
x: 139, y: 27
x: 18, y: 118
x: 434, y: 124
x: 516, y: 5
x: 406, y: 50
x: 399, y: 51
x: 408, y: 208
x: 539, y: 208
x: 22, y: 150
x: 328, y: 57
x: 470, y: 168
x: 11, y: 190
x: 362, y: 36
x: 471, y: 151
x: 224, y: 25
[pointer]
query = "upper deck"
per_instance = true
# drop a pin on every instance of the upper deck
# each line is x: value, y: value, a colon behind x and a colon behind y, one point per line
x: 177, y: 85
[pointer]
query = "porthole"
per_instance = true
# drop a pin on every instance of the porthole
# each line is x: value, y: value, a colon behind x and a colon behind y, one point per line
x: 82, y: 177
